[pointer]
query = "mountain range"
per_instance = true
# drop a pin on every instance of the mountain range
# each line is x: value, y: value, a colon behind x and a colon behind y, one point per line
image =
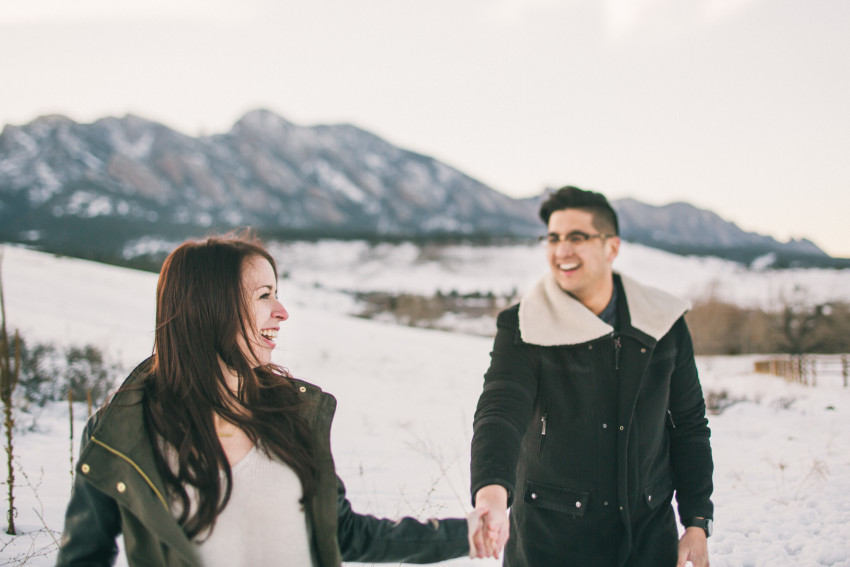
x: 89, y: 189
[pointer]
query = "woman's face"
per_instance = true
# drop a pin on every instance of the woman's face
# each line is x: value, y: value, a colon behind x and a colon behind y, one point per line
x: 260, y: 284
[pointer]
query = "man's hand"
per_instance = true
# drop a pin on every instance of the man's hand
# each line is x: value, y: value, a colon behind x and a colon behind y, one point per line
x: 693, y: 547
x: 491, y: 507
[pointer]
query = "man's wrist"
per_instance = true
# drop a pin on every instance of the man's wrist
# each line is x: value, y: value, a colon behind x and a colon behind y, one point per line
x: 492, y: 494
x: 705, y: 524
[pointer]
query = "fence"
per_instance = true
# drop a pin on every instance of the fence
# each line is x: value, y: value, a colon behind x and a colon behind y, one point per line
x: 807, y: 368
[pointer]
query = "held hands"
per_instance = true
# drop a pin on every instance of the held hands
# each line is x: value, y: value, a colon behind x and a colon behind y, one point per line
x: 693, y: 547
x: 488, y: 523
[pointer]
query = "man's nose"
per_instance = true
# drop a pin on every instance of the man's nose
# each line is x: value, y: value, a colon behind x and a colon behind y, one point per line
x: 564, y: 248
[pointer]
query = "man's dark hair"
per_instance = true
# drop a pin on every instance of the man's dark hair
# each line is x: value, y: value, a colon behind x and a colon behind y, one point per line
x: 569, y: 197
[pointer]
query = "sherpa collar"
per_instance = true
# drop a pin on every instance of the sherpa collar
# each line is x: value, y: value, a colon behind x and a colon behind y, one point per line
x: 548, y: 316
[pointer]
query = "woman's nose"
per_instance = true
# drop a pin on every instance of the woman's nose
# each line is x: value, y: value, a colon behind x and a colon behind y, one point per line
x: 280, y: 312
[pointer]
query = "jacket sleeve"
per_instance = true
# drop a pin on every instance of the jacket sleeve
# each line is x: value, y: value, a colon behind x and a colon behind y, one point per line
x: 92, y: 523
x: 690, y: 448
x: 504, y: 408
x: 367, y: 539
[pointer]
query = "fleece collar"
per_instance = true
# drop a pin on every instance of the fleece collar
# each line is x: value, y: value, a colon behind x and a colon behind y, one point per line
x: 548, y: 316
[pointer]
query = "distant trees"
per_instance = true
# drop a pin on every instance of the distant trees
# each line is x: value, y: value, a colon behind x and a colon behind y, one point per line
x: 426, y: 311
x: 805, y: 327
x: 797, y: 326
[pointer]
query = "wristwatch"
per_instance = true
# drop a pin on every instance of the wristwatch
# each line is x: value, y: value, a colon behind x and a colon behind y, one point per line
x: 707, y: 524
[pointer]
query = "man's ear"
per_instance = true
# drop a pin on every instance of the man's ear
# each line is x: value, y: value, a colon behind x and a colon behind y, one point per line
x: 612, y: 248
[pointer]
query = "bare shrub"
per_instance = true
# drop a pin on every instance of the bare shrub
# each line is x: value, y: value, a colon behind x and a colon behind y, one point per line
x: 797, y: 327
x: 423, y: 311
x: 10, y: 371
x: 813, y: 328
x: 717, y: 402
x: 48, y: 373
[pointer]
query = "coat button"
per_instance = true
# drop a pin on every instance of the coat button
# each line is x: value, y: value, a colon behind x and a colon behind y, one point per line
x: 621, y: 428
x: 85, y: 468
x: 649, y: 498
x: 534, y: 496
x: 604, y: 426
x: 589, y: 347
x: 578, y: 504
x: 302, y: 389
x: 121, y: 487
x: 643, y: 350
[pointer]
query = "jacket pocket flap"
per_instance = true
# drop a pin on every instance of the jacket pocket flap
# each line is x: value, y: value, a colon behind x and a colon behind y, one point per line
x: 657, y: 492
x: 565, y: 500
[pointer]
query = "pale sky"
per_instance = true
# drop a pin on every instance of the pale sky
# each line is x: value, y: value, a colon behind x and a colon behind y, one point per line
x: 738, y: 106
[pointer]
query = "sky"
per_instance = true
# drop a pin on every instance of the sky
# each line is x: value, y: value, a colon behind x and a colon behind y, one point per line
x: 737, y: 106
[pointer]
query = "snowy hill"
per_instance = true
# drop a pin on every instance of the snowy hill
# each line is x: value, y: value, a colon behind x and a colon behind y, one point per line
x: 406, y: 267
x: 406, y: 396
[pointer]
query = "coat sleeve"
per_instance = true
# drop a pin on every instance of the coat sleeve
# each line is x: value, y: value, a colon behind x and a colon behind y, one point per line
x: 367, y: 539
x: 92, y: 523
x: 690, y: 448
x: 504, y: 408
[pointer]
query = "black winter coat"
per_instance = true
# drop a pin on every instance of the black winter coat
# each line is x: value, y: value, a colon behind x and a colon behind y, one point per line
x: 591, y: 430
x: 117, y: 489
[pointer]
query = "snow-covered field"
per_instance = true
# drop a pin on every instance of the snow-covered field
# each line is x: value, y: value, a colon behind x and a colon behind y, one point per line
x: 413, y: 269
x: 406, y: 396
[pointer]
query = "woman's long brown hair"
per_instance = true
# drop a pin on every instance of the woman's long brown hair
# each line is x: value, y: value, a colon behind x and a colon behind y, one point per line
x: 202, y: 308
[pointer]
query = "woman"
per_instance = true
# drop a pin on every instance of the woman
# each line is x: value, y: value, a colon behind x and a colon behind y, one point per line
x: 211, y: 455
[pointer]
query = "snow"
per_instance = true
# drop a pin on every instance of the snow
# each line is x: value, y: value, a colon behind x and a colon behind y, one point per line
x: 87, y: 204
x: 336, y: 179
x: 404, y: 267
x: 48, y: 183
x: 406, y: 396
x: 138, y: 149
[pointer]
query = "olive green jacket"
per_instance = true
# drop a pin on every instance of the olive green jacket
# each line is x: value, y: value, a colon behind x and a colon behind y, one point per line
x: 117, y: 489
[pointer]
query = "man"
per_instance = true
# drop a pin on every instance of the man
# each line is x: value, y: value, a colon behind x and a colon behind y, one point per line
x: 592, y: 413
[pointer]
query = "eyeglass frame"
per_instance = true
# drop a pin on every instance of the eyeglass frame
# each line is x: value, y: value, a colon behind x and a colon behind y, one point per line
x: 574, y: 238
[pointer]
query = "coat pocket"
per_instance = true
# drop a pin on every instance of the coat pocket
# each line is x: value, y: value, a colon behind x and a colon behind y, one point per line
x: 658, y: 492
x: 549, y: 497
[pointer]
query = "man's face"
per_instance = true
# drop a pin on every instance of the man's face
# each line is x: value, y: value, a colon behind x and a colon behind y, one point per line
x: 581, y: 268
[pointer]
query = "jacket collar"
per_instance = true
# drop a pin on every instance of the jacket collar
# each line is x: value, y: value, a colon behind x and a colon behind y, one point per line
x: 548, y: 316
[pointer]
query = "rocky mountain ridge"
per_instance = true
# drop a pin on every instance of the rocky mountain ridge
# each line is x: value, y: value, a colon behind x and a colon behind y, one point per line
x: 69, y: 186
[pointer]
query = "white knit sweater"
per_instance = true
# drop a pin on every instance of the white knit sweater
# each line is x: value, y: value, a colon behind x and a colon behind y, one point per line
x: 263, y: 524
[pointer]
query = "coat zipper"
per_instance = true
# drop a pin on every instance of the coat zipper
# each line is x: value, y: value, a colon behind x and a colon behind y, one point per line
x: 670, y: 417
x: 138, y: 469
x: 543, y: 419
x: 618, y: 344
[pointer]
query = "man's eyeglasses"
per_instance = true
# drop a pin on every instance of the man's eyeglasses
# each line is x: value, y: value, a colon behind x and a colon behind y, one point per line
x: 575, y: 238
